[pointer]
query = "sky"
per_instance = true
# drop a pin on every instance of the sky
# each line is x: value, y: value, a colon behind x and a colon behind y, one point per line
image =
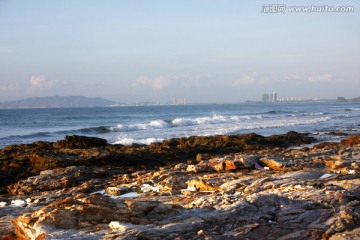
x: 207, y: 51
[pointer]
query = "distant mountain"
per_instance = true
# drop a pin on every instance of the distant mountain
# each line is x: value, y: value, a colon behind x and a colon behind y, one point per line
x: 57, y: 102
x: 341, y: 99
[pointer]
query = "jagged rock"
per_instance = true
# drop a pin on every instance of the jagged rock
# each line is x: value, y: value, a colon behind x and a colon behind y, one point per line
x: 328, y: 145
x: 203, y: 166
x: 292, y: 138
x: 248, y: 161
x: 239, y: 201
x: 25, y: 160
x: 115, y: 191
x: 87, y: 212
x: 200, y: 185
x: 351, y: 140
x: 220, y: 165
x: 80, y: 142
x: 276, y: 163
x: 59, y: 179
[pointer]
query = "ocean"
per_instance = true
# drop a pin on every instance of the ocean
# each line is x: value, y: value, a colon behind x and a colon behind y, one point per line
x: 146, y: 124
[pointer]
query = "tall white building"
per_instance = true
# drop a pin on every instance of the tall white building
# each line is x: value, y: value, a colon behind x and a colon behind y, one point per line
x: 270, y: 97
x: 274, y: 97
x: 179, y: 101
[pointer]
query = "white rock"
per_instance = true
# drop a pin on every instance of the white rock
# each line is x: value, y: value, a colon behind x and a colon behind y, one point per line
x: 115, y: 225
x: 18, y: 203
x: 326, y: 175
x: 47, y: 172
x: 130, y: 194
x: 148, y: 188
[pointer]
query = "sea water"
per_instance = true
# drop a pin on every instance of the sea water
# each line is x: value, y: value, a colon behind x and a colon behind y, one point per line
x: 147, y: 124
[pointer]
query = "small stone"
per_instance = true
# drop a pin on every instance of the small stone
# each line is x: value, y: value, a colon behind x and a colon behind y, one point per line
x: 275, y: 163
x: 113, y: 191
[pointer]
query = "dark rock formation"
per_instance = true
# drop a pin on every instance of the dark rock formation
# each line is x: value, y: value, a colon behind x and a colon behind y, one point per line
x: 80, y: 142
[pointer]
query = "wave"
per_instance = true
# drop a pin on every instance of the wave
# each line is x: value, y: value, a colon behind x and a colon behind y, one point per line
x: 182, y: 122
x: 94, y: 130
x: 351, y: 109
x: 278, y: 112
x: 130, y: 141
x: 212, y: 124
x: 293, y: 113
x: 278, y: 123
x: 157, y: 124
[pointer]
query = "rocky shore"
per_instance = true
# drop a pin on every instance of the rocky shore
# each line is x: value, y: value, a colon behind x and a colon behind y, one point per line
x: 223, y: 187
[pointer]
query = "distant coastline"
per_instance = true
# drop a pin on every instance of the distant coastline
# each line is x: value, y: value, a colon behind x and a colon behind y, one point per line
x: 84, y: 102
x: 57, y: 102
x: 342, y: 99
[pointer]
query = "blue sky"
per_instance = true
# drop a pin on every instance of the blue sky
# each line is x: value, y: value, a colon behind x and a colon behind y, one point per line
x: 207, y: 51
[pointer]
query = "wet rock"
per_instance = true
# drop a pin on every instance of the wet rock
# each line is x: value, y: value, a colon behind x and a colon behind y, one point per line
x: 80, y: 142
x: 292, y: 138
x: 337, y: 134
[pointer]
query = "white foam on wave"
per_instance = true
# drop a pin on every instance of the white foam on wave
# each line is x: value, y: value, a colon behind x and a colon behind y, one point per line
x: 129, y: 141
x: 156, y: 124
x: 225, y: 129
x: 225, y: 125
x: 183, y: 122
x: 283, y: 123
x: 215, y: 119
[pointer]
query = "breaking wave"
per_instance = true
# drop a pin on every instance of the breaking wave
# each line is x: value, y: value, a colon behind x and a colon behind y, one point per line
x: 183, y: 122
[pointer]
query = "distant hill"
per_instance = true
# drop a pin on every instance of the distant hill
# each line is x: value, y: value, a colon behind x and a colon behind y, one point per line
x: 342, y: 99
x: 57, y: 102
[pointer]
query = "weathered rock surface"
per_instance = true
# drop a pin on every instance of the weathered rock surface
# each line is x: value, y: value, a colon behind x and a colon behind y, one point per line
x: 24, y: 160
x: 269, y: 192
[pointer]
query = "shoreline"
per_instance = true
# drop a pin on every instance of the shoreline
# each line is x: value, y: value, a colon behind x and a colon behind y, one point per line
x: 238, y: 186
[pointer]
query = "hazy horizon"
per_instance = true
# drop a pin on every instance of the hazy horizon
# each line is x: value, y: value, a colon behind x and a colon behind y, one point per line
x: 206, y: 51
x: 170, y: 101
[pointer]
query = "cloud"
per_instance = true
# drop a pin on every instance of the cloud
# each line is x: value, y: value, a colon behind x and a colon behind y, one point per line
x: 6, y: 88
x: 321, y: 78
x: 326, y: 77
x: 39, y: 82
x: 251, y: 79
x: 292, y: 77
x: 154, y: 83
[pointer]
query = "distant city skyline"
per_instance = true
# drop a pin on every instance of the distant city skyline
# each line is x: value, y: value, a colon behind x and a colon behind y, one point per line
x: 220, y: 51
